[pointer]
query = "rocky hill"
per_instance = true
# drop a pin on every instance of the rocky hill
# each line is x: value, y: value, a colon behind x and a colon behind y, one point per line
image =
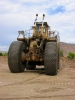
x: 67, y: 47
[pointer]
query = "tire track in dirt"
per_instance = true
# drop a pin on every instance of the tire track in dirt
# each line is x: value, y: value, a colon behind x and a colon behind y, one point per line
x: 20, y: 83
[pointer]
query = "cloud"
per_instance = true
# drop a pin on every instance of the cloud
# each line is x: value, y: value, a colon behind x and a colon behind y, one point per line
x: 20, y: 15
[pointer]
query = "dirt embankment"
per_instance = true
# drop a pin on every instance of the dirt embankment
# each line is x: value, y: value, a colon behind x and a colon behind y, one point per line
x: 65, y: 62
x: 3, y: 60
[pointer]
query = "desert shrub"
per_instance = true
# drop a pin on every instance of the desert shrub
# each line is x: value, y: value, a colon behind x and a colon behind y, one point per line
x: 61, y: 53
x: 71, y: 55
x: 5, y: 54
x: 1, y: 54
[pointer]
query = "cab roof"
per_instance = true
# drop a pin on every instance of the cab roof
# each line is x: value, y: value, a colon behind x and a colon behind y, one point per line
x: 40, y: 24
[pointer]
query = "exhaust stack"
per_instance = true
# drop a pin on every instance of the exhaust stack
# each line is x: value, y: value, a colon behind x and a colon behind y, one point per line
x: 36, y: 19
x: 43, y: 20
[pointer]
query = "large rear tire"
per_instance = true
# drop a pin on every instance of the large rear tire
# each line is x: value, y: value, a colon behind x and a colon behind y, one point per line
x: 14, y: 57
x: 59, y: 59
x: 51, y: 58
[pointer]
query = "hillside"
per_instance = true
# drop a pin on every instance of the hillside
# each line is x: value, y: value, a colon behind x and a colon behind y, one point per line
x: 3, y: 51
x: 67, y: 47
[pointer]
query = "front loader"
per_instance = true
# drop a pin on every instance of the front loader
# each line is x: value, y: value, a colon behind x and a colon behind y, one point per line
x: 41, y: 47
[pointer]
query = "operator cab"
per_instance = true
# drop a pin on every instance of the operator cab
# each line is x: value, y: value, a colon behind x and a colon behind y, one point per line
x: 40, y: 28
x: 39, y: 24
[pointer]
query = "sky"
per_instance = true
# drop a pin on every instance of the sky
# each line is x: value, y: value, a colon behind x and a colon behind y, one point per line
x: 16, y: 15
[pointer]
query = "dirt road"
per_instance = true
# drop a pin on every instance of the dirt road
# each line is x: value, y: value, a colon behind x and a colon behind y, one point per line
x: 35, y: 85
